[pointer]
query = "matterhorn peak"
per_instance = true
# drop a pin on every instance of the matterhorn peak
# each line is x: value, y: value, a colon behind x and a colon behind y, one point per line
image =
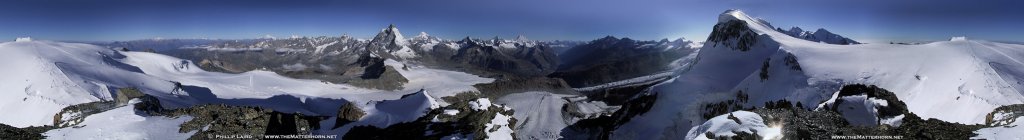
x: 392, y: 27
x: 391, y: 32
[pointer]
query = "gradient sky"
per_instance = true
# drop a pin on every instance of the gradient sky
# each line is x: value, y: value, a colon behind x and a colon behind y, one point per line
x: 863, y: 20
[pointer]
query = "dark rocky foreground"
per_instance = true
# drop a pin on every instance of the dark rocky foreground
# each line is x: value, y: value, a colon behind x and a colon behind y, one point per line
x: 436, y: 125
x: 799, y: 122
x: 221, y: 120
x: 805, y: 123
x: 8, y: 132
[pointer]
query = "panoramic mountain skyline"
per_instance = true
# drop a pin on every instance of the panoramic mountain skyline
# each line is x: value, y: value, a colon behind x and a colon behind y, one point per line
x: 866, y: 21
x: 740, y: 74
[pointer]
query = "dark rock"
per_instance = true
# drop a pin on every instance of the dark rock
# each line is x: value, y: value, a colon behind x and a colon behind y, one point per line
x: 348, y: 113
x: 224, y: 120
x: 735, y: 34
x: 467, y: 122
x: 77, y: 113
x: 603, y: 126
x: 764, y: 69
x: 1012, y: 112
x: 8, y: 132
x: 509, y: 85
x: 123, y: 95
x: 805, y: 124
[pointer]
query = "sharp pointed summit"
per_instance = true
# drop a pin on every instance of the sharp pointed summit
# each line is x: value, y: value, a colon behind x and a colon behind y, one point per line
x: 390, y: 41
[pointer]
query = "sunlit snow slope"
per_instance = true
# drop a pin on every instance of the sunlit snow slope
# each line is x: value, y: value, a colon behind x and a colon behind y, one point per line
x: 42, y: 77
x: 957, y: 81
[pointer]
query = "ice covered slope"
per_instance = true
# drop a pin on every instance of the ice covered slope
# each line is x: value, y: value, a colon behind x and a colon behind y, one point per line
x: 540, y: 114
x: 385, y: 113
x: 727, y: 125
x: 41, y: 77
x: 968, y: 77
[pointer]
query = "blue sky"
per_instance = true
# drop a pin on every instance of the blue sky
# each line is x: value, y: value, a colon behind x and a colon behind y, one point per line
x: 865, y: 20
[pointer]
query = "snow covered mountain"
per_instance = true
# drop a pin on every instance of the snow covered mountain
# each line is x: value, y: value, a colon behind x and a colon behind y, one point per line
x: 744, y: 55
x: 81, y: 73
x: 346, y: 59
x: 390, y: 43
x: 821, y: 35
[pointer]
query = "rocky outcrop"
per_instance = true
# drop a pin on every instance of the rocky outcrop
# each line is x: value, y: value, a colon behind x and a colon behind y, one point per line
x: 602, y: 127
x: 348, y: 113
x: 224, y: 120
x: 734, y: 34
x: 437, y: 124
x: 123, y: 95
x: 800, y: 123
x: 510, y: 85
x: 217, y: 66
x: 74, y: 114
x: 1004, y: 115
x: 8, y: 132
x: 894, y: 107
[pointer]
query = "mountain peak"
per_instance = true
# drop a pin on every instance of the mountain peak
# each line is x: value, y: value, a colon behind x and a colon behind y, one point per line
x: 609, y: 38
x: 796, y: 30
x: 423, y: 34
x: 392, y: 33
x: 822, y: 31
x: 681, y: 39
x: 732, y: 14
x: 521, y: 38
x: 422, y: 37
